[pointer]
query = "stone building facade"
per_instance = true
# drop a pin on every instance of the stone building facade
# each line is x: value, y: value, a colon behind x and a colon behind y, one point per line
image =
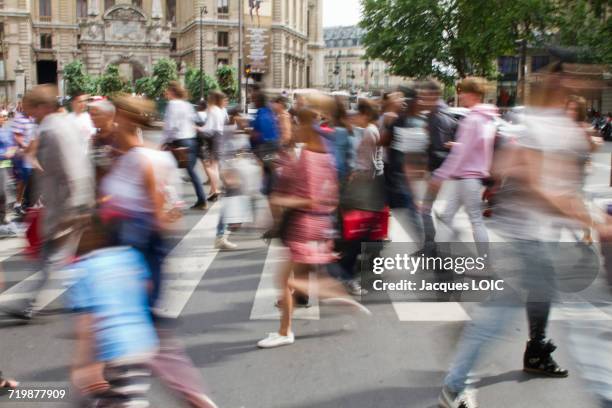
x: 346, y: 67
x: 38, y: 37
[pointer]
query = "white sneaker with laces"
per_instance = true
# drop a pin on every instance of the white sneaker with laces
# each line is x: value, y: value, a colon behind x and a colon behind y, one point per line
x: 464, y: 399
x: 225, y: 244
x: 276, y: 340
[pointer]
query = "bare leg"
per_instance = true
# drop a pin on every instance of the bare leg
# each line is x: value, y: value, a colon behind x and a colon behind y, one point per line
x: 212, y: 172
x: 285, y: 284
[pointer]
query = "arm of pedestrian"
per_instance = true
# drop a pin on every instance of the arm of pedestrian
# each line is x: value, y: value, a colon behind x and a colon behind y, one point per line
x: 290, y: 201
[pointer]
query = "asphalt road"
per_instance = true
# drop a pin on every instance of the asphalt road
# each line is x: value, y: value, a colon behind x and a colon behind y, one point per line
x: 224, y: 301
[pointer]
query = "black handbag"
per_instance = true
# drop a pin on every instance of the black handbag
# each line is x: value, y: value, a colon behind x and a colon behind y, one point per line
x: 364, y: 192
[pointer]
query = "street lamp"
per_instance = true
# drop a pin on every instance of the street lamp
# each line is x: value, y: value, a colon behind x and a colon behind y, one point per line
x: 353, y: 81
x: 522, y: 49
x: 337, y: 72
x: 367, y: 75
x: 203, y: 11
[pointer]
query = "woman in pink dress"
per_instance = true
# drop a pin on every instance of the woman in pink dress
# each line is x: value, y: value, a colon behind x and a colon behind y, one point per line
x: 308, y: 190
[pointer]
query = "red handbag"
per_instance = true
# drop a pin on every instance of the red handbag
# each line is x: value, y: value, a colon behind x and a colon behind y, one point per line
x: 33, y: 232
x: 370, y: 225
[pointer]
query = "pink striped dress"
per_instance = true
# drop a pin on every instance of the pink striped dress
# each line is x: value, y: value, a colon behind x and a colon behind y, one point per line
x: 312, y: 175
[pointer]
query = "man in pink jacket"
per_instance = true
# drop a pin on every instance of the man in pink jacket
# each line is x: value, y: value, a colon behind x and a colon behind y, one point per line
x: 470, y: 158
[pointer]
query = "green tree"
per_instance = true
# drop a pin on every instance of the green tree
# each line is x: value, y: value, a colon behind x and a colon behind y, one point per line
x: 111, y: 82
x: 192, y: 83
x: 145, y: 86
x: 77, y: 80
x: 164, y: 72
x: 449, y: 39
x: 228, y: 83
x: 586, y: 26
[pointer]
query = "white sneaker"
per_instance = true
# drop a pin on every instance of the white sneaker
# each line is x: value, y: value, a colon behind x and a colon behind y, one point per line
x: 224, y: 244
x: 276, y: 340
x: 464, y: 399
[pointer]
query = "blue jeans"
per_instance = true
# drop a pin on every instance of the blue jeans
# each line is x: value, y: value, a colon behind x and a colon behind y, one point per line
x: 192, y: 144
x: 139, y: 232
x: 526, y: 266
x: 400, y: 196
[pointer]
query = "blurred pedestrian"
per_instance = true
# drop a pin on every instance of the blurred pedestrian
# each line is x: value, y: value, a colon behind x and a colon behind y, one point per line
x: 103, y: 145
x: 441, y: 129
x: 216, y: 119
x: 7, y: 151
x: 469, y: 161
x: 23, y: 128
x: 66, y: 185
x: 308, y: 191
x: 540, y: 193
x: 180, y: 132
x: 82, y: 119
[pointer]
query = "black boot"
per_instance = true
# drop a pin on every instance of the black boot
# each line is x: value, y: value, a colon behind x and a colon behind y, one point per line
x: 538, y: 360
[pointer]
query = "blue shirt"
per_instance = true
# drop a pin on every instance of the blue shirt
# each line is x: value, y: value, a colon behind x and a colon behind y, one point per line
x: 112, y: 287
x: 6, y: 142
x: 343, y: 150
x: 265, y: 125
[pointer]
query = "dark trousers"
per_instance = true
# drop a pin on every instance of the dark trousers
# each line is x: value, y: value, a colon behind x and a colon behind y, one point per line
x: 193, y: 146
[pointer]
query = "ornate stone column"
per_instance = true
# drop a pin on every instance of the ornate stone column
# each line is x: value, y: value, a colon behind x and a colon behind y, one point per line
x: 156, y: 10
x: 60, y: 78
x: 181, y: 73
x: 19, y: 81
x: 93, y: 7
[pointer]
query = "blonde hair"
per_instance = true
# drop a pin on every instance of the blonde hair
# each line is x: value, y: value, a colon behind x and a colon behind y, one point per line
x: 139, y: 110
x: 472, y: 85
x: 177, y: 89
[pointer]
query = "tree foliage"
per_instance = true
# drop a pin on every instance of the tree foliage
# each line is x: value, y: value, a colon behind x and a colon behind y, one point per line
x: 111, y: 83
x: 457, y: 38
x: 192, y: 83
x: 77, y: 80
x: 164, y: 71
x: 227, y: 79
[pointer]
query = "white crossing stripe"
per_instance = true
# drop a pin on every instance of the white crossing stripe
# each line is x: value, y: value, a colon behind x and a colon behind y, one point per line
x: 23, y: 289
x: 430, y: 312
x: 578, y: 311
x: 187, y: 264
x: 267, y: 292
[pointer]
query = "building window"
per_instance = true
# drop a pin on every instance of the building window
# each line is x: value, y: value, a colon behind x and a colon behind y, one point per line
x: 221, y: 62
x: 81, y: 6
x: 78, y: 44
x: 46, y: 41
x: 1, y: 54
x: 108, y: 4
x: 137, y: 3
x: 223, y: 39
x: 223, y: 6
x: 44, y: 8
x: 173, y: 44
x: 538, y: 62
x: 171, y: 11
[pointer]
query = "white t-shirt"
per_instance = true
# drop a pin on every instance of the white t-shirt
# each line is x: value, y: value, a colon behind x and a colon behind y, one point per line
x: 125, y: 186
x: 215, y: 120
x: 85, y: 127
x: 179, y: 120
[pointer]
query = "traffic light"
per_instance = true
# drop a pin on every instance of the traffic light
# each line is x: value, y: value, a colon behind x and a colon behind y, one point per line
x: 247, y: 70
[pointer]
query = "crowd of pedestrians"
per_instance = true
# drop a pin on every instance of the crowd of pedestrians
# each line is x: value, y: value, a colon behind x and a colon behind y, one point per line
x: 105, y: 199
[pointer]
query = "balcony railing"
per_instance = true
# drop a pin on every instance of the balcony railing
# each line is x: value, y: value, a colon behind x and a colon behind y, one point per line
x: 45, y: 19
x: 223, y: 16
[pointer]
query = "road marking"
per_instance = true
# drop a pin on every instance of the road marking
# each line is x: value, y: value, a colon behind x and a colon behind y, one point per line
x: 267, y: 292
x: 430, y: 312
x: 187, y: 264
x: 578, y: 311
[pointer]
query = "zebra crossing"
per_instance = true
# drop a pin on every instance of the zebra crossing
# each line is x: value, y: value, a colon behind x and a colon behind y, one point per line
x: 195, y: 254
